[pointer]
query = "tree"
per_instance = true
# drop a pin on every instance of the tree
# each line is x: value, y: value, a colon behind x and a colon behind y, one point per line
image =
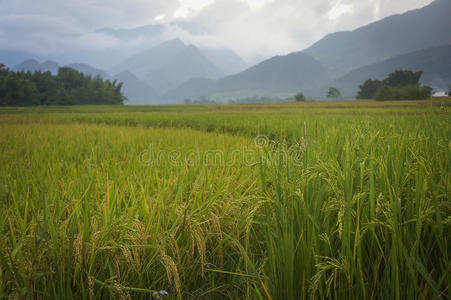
x: 46, y: 84
x: 408, y: 92
x: 399, y: 85
x: 300, y: 97
x: 69, y: 87
x: 402, y: 78
x: 333, y: 93
x: 17, y: 91
x: 368, y: 89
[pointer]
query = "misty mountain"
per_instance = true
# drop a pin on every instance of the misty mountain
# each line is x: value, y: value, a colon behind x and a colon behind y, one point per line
x: 418, y: 29
x: 338, y: 54
x: 171, y: 63
x: 165, y: 53
x: 277, y: 76
x: 152, y: 59
x: 13, y: 58
x: 136, y: 91
x: 189, y: 63
x: 434, y: 62
x: 191, y: 89
x: 88, y: 70
x: 226, y: 60
x: 33, y: 65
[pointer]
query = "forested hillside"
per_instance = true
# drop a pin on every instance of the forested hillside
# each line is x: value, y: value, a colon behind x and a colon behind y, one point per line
x: 434, y: 62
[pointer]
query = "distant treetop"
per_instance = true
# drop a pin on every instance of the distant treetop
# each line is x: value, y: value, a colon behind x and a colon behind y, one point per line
x: 300, y: 97
x: 399, y: 85
x: 333, y: 93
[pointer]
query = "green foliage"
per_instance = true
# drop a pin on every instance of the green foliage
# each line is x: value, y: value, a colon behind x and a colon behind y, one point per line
x: 15, y: 90
x: 369, y: 89
x: 399, y: 85
x: 333, y: 93
x: 409, y: 92
x: 69, y: 87
x: 300, y: 97
x: 401, y: 78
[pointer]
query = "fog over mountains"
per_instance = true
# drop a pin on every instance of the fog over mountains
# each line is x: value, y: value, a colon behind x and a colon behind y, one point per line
x: 340, y: 53
x: 172, y: 70
x: 171, y: 63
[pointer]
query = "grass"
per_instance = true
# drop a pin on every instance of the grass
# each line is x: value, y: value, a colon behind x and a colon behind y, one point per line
x: 341, y: 201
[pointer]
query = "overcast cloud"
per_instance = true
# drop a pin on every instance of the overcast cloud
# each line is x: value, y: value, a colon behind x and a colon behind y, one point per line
x: 252, y: 28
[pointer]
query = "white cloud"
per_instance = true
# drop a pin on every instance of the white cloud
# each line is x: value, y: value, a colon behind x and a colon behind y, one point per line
x: 159, y: 18
x: 339, y: 10
x: 189, y: 7
x: 253, y: 28
x: 270, y: 27
x: 256, y: 4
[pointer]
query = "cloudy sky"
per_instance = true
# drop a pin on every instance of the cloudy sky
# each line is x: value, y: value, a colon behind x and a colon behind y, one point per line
x: 253, y: 28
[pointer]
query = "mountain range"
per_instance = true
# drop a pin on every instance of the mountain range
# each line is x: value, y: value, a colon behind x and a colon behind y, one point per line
x: 277, y: 76
x: 32, y: 65
x: 341, y: 53
x: 171, y: 63
x: 435, y: 63
x: 414, y: 30
x: 172, y: 71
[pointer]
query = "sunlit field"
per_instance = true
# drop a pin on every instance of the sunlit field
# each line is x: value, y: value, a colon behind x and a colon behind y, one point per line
x: 325, y: 200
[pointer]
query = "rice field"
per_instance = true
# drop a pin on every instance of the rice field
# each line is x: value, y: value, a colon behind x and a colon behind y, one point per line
x: 288, y: 201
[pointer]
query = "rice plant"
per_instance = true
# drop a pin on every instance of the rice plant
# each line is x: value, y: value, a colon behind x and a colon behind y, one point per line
x: 343, y: 202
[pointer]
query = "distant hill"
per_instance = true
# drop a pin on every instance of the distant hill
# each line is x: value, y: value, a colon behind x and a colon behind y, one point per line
x: 311, y: 70
x: 434, y: 62
x: 171, y: 63
x: 33, y: 65
x: 418, y: 29
x: 189, y: 63
x: 280, y: 75
x: 191, y: 89
x: 228, y: 61
x: 13, y: 58
x: 136, y: 91
x: 88, y: 70
x: 152, y: 59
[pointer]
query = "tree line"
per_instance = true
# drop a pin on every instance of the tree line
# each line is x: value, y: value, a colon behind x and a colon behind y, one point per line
x: 68, y: 87
x: 399, y: 85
